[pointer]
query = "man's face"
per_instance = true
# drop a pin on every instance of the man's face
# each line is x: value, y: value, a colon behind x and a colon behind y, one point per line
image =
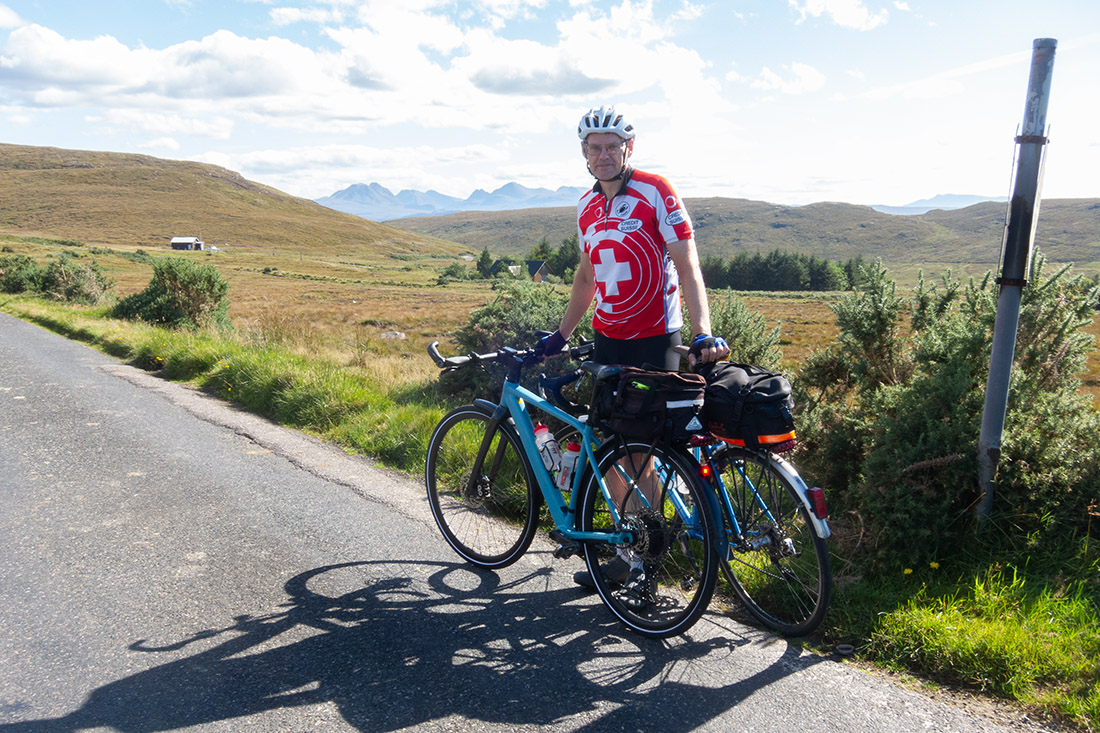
x: 606, y: 152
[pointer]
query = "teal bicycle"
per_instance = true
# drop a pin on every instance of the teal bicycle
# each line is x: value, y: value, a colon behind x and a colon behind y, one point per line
x: 644, y: 502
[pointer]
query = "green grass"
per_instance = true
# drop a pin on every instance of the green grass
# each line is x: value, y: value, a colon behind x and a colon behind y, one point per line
x: 1037, y: 645
x: 1028, y: 631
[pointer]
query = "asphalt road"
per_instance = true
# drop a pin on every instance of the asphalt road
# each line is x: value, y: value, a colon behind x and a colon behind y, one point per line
x: 169, y: 561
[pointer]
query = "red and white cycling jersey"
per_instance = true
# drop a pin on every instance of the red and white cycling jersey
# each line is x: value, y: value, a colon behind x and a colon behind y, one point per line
x: 637, y: 286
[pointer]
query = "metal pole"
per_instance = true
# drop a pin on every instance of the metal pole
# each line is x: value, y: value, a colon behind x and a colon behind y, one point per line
x: 1019, y: 238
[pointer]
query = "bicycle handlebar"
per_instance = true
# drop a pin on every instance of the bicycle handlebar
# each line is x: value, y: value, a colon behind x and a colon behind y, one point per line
x: 506, y: 355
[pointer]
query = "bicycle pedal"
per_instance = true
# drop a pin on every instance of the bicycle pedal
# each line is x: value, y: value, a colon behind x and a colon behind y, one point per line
x: 566, y: 547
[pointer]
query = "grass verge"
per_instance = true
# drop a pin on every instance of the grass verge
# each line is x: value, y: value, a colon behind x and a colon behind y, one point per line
x: 1028, y: 631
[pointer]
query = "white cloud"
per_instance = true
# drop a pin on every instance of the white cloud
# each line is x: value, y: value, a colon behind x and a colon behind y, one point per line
x: 290, y: 16
x: 35, y: 56
x: 799, y: 79
x: 9, y: 18
x: 846, y: 13
x: 143, y: 121
x: 945, y: 83
x: 160, y: 143
x: 17, y: 116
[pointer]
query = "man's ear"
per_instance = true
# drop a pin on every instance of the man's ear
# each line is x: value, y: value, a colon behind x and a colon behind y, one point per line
x: 630, y: 147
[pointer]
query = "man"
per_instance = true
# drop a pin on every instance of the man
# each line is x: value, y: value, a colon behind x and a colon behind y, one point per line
x: 637, y: 256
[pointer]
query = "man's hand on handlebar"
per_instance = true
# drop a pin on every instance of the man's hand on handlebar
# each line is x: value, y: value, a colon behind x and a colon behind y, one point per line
x: 707, y: 348
x: 551, y: 345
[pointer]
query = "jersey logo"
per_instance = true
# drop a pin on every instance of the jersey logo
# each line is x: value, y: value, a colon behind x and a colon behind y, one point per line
x: 611, y: 272
x: 622, y: 209
x: 675, y: 217
x: 630, y: 225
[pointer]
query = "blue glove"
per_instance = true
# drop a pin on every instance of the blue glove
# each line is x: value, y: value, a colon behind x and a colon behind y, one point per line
x: 551, y: 345
x: 705, y: 341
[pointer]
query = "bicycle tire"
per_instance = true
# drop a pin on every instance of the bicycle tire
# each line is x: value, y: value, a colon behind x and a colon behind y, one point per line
x: 675, y: 550
x: 778, y: 565
x: 489, y: 523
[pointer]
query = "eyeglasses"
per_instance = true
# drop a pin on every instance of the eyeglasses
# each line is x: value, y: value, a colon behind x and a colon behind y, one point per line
x: 594, y: 151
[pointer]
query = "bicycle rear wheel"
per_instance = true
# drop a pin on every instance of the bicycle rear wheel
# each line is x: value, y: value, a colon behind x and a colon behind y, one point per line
x: 773, y: 558
x: 488, y: 513
x: 674, y: 569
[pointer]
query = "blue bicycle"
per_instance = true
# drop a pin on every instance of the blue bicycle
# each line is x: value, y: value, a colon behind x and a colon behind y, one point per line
x: 642, y: 504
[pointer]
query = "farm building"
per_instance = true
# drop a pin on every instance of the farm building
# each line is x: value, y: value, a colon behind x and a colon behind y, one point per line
x: 538, y: 270
x: 187, y: 243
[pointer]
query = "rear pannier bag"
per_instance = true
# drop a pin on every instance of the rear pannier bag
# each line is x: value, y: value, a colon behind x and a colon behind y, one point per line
x: 648, y: 405
x: 749, y: 405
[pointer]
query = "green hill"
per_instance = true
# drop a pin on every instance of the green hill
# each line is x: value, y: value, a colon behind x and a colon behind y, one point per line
x: 121, y: 199
x: 1068, y: 231
x: 137, y: 200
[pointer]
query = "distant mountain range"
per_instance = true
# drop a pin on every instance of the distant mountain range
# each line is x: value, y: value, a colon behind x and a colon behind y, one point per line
x: 944, y: 202
x: 376, y: 202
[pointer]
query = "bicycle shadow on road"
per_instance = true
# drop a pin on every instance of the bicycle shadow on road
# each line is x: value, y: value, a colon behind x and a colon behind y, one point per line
x: 399, y: 644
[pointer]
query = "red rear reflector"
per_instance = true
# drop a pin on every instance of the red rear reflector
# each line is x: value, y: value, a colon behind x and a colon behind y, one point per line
x: 817, y: 502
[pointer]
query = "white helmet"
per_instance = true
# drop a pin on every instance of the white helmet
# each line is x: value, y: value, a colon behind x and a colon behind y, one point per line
x: 605, y: 119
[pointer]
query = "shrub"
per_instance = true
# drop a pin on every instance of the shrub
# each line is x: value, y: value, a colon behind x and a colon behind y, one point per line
x: 519, y: 310
x: 75, y: 282
x: 62, y: 279
x: 20, y: 274
x: 890, y: 423
x: 455, y: 271
x: 746, y: 332
x: 181, y: 293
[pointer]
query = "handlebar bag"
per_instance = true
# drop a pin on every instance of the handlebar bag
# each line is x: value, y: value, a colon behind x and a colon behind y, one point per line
x: 749, y: 405
x: 649, y: 404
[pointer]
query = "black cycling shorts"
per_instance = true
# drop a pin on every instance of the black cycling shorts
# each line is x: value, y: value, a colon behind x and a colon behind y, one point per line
x: 653, y: 352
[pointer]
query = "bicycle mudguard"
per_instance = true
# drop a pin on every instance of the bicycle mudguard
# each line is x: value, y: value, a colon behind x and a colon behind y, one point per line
x: 821, y: 527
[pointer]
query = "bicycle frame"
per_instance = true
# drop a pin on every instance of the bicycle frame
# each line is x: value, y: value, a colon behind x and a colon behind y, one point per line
x: 513, y: 403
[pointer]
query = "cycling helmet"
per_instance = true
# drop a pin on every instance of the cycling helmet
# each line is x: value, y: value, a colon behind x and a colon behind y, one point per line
x: 605, y: 119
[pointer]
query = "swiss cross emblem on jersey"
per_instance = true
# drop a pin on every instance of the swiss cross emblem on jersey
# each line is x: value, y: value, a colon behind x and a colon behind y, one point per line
x: 629, y: 277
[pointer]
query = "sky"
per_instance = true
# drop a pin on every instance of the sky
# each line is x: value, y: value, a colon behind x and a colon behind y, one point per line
x: 787, y: 101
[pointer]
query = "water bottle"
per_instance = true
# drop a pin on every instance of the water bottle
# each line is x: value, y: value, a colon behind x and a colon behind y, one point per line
x: 548, y: 448
x: 568, y: 463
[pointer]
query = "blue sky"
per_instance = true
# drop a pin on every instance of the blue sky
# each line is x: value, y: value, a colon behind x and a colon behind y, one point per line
x: 788, y: 101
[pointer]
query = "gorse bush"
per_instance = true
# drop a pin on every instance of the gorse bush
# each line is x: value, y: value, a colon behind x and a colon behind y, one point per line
x: 891, y: 422
x: 63, y: 278
x: 747, y: 333
x: 517, y: 311
x: 72, y: 281
x: 181, y: 293
x: 20, y: 274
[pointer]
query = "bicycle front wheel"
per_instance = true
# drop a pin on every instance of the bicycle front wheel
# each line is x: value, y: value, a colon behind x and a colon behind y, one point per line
x: 772, y: 557
x: 661, y: 583
x: 488, y: 513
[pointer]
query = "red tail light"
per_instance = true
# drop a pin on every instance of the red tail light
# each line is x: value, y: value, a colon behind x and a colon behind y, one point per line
x: 817, y: 502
